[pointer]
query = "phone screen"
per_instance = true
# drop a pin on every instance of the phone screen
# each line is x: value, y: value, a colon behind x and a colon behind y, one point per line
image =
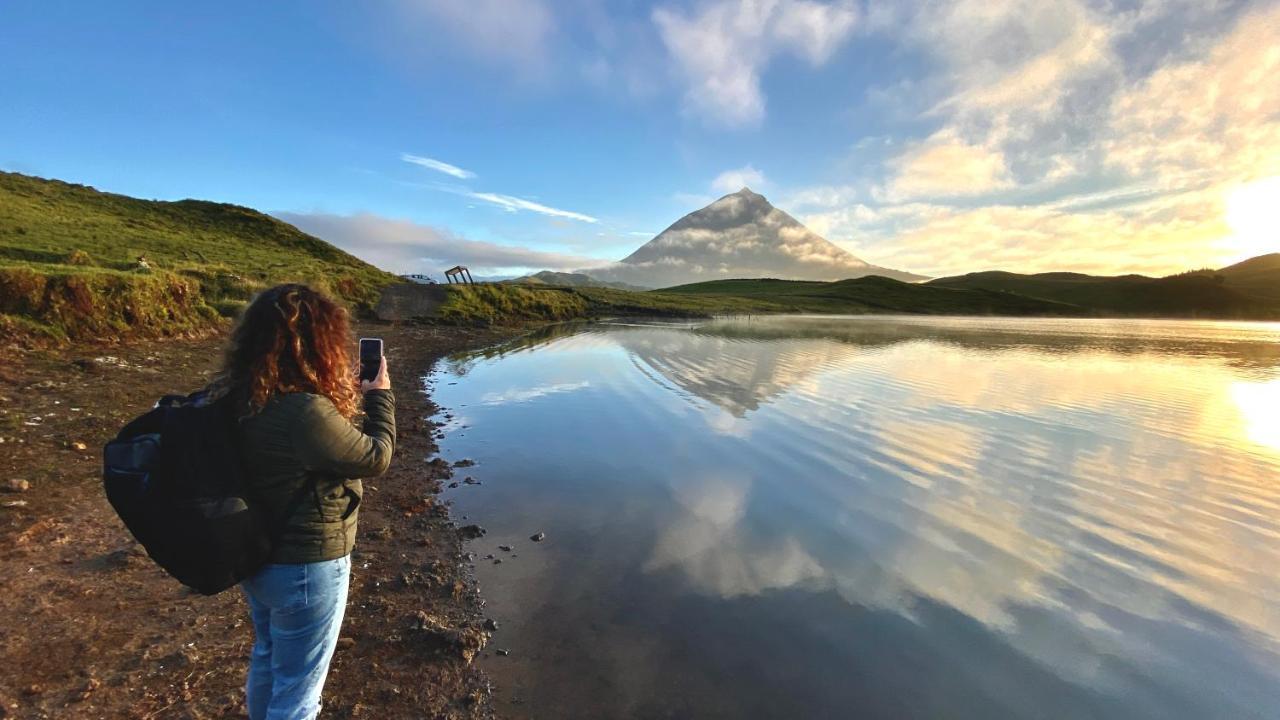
x: 370, y: 357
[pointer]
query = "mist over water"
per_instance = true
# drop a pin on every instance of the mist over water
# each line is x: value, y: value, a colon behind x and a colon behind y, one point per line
x: 878, y: 517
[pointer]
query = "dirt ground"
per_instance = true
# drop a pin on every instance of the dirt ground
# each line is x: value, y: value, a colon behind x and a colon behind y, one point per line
x: 91, y: 628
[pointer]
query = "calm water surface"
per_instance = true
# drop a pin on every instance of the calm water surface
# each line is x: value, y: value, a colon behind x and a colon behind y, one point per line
x: 810, y: 517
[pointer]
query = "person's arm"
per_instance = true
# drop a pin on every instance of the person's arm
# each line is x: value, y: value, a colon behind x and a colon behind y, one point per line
x: 327, y: 442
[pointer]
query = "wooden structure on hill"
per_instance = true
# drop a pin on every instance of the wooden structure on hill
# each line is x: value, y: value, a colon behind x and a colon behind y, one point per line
x: 459, y: 275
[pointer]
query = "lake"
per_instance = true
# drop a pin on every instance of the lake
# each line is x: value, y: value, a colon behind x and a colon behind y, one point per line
x: 877, y: 517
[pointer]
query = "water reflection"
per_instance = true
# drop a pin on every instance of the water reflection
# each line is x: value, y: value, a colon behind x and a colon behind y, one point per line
x: 1016, y: 518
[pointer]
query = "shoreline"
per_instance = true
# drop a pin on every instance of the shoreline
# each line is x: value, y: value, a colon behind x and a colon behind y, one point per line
x: 90, y: 626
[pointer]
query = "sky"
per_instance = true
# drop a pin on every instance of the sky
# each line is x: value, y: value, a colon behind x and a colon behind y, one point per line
x: 512, y: 135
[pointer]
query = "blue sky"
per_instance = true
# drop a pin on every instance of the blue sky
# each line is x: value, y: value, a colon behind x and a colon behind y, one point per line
x: 525, y: 134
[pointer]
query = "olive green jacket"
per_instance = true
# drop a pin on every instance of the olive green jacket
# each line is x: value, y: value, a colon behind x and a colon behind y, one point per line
x: 299, y: 438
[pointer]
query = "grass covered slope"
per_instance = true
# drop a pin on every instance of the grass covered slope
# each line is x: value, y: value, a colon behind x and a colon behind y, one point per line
x: 69, y: 261
x: 874, y: 294
x: 1248, y: 290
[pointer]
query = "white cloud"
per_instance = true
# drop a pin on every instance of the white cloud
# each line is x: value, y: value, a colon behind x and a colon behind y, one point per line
x: 404, y: 246
x: 731, y: 181
x: 515, y: 204
x: 1213, y: 118
x: 722, y: 49
x: 438, y: 166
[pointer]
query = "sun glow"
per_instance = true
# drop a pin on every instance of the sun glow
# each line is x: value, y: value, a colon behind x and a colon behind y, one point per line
x: 1253, y: 213
x: 1259, y: 405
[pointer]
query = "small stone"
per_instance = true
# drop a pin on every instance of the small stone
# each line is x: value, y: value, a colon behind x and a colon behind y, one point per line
x: 346, y: 643
x: 497, y: 561
x: 503, y: 652
x: 490, y: 624
x: 538, y: 537
x: 14, y: 504
x: 17, y: 485
x: 465, y: 462
x: 453, y: 484
x: 471, y: 532
x: 505, y: 548
x: 470, y: 480
x: 77, y: 445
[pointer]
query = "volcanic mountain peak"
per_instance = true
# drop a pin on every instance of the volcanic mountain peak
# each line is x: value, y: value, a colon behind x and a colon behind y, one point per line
x: 740, y: 235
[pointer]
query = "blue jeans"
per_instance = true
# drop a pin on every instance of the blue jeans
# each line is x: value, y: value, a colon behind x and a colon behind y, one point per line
x: 297, y: 612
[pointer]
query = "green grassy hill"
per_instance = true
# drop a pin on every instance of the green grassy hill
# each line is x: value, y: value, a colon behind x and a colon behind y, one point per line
x: 1248, y: 290
x: 69, y: 261
x: 875, y: 294
x: 564, y: 279
x: 1258, y: 277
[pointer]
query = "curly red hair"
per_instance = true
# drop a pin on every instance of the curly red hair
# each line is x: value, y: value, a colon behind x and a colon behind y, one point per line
x: 293, y: 338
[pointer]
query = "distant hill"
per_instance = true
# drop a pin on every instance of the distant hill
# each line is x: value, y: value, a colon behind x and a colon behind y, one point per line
x: 69, y: 261
x: 738, y: 236
x: 563, y: 279
x: 875, y: 294
x: 1247, y: 290
x: 1258, y: 277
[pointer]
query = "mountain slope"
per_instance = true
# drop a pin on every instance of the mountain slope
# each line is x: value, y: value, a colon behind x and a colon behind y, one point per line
x: 69, y: 261
x: 738, y: 236
x: 1258, y: 276
x: 564, y: 279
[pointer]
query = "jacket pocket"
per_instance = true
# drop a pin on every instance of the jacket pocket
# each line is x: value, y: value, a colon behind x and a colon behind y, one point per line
x: 353, y: 496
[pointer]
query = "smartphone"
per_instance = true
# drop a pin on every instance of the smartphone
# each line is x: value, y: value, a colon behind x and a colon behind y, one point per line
x: 370, y: 357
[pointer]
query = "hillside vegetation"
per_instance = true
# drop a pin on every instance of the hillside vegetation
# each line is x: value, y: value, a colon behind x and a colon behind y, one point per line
x: 1248, y: 290
x: 874, y: 294
x: 69, y: 262
x: 565, y: 279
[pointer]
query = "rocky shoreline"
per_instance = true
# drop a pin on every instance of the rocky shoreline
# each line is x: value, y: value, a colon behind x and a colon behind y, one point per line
x: 90, y: 627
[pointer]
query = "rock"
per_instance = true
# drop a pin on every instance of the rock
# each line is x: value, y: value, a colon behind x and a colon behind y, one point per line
x: 490, y: 624
x: 453, y: 484
x: 14, y: 504
x: 470, y: 480
x: 467, y: 641
x: 505, y: 548
x: 17, y: 485
x: 465, y: 462
x: 87, y: 690
x: 503, y: 652
x: 538, y: 537
x: 497, y: 561
x: 79, y: 446
x: 471, y: 532
x: 346, y: 643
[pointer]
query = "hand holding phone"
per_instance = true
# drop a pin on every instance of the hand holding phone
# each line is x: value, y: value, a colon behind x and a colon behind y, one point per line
x: 373, y: 366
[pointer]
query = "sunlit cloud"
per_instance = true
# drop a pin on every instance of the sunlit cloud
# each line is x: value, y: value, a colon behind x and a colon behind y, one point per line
x: 1077, y: 147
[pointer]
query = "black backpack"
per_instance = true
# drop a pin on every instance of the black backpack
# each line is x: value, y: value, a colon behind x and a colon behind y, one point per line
x: 174, y: 476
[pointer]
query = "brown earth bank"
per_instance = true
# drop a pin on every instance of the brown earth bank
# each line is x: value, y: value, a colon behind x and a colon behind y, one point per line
x: 90, y: 627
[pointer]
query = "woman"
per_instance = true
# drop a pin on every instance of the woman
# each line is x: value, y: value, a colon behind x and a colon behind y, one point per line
x: 290, y: 362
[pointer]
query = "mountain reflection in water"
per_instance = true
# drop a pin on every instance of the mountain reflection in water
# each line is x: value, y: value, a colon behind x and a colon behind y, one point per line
x: 880, y: 517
